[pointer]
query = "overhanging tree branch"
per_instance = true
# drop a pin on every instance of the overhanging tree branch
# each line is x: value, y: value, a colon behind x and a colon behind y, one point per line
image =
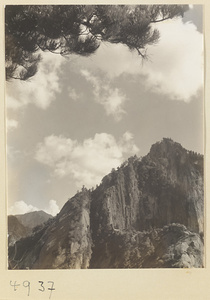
x: 60, y: 30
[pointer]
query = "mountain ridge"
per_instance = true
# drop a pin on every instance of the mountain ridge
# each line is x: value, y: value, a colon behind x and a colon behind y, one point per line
x: 135, y: 218
x: 21, y: 225
x: 34, y: 218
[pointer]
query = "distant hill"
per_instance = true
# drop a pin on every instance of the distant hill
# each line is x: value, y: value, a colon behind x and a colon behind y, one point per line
x: 16, y: 230
x: 149, y: 213
x: 20, y: 226
x: 34, y: 218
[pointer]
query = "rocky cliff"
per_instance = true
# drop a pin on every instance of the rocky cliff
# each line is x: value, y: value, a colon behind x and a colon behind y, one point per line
x: 146, y: 214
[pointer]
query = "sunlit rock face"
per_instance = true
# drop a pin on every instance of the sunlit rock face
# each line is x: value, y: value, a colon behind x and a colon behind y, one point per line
x: 146, y: 214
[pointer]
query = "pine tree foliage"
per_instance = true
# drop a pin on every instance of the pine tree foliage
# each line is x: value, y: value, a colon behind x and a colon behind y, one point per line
x: 77, y: 29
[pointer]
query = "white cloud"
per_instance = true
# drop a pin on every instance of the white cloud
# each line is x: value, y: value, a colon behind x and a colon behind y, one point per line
x: 113, y: 103
x: 85, y: 162
x: 11, y: 124
x: 127, y: 143
x: 41, y: 89
x: 53, y: 208
x: 13, y: 103
x: 112, y: 99
x: 174, y: 67
x: 177, y: 62
x: 58, y: 147
x: 113, y: 59
x: 73, y: 94
x: 21, y: 207
x: 12, y: 153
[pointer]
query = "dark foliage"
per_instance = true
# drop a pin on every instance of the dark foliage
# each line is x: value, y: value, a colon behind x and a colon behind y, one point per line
x: 78, y: 29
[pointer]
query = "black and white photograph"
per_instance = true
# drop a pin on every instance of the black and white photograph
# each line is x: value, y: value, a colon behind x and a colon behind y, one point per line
x: 105, y: 136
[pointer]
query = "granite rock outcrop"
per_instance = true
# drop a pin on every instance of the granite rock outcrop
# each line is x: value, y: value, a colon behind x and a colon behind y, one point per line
x: 149, y: 213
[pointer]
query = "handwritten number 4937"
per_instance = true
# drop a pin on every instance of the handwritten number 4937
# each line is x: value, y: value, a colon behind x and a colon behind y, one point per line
x: 27, y: 285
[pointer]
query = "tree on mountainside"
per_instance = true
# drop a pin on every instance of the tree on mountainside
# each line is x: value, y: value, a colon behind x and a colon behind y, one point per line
x: 77, y: 29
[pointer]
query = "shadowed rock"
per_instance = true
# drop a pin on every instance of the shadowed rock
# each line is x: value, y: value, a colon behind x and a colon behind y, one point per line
x: 146, y: 214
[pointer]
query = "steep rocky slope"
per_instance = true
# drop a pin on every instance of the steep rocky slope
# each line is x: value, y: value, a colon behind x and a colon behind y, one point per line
x: 146, y: 214
x: 62, y: 242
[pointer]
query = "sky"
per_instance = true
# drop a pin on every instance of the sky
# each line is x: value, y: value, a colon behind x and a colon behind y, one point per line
x: 79, y: 117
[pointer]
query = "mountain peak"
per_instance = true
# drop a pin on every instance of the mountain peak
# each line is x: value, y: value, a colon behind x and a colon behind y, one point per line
x: 166, y: 147
x: 33, y: 218
x: 147, y: 213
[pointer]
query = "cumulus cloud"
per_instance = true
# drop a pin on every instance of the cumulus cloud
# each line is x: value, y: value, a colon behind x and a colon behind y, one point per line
x: 11, y: 124
x: 52, y: 208
x: 112, y: 99
x: 114, y: 60
x: 73, y: 94
x: 41, y: 89
x: 85, y: 162
x: 21, y: 207
x: 177, y: 63
x: 174, y: 66
x: 13, y: 103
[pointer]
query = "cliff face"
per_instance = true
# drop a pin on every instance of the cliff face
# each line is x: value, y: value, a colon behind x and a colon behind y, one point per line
x: 178, y: 184
x: 147, y: 213
x: 63, y: 242
x: 165, y: 187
